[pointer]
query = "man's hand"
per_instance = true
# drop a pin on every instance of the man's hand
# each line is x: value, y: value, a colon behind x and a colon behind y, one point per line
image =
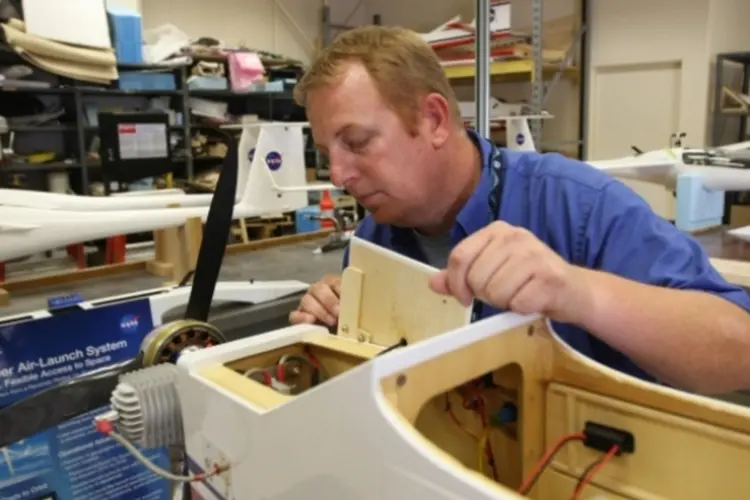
x: 320, y: 304
x: 509, y: 268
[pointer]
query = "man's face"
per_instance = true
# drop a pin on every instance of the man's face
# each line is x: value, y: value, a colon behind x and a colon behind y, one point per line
x: 371, y: 154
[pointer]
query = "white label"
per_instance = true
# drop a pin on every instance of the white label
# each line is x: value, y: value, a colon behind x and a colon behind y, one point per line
x: 142, y: 140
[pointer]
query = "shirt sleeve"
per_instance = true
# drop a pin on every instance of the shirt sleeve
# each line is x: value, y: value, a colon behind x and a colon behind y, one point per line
x: 625, y: 237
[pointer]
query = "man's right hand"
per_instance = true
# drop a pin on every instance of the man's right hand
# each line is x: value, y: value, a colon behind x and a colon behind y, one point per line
x: 320, y: 304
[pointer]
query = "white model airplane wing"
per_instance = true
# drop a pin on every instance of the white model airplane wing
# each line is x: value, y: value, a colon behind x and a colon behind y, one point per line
x: 722, y: 178
x: 737, y: 146
x: 742, y: 233
x: 659, y: 171
x: 9, y: 227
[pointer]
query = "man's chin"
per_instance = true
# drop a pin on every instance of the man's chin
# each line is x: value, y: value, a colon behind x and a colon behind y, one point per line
x: 387, y: 215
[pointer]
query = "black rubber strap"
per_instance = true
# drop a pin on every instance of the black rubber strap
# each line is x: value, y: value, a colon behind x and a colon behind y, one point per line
x: 215, y: 236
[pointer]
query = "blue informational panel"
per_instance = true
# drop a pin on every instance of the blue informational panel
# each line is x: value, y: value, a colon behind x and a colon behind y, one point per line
x: 72, y: 461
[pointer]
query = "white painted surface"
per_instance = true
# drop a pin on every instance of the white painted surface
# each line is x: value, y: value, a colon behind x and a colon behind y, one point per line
x: 132, y: 5
x: 624, y: 115
x: 62, y: 21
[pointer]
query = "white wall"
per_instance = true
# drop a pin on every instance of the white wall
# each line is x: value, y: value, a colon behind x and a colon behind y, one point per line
x: 134, y: 5
x: 641, y: 32
x: 288, y: 27
x: 638, y: 32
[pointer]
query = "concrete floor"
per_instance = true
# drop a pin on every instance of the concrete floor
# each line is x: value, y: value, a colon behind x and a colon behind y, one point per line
x: 282, y: 263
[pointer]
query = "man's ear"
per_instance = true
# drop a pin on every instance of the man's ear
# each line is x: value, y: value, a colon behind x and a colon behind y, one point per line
x: 438, y: 118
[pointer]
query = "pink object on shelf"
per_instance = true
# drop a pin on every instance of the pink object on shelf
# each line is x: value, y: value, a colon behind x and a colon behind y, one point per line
x: 245, y: 68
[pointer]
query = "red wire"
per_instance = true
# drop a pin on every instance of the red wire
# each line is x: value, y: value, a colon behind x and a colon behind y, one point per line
x: 476, y: 402
x: 313, y: 358
x: 544, y: 461
x: 591, y: 473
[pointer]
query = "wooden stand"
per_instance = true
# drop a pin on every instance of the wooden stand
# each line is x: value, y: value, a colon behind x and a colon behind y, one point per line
x: 176, y: 250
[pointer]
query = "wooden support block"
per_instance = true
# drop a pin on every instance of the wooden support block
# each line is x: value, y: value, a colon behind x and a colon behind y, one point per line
x: 176, y: 250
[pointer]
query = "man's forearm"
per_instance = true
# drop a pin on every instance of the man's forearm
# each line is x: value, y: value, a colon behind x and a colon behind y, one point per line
x: 689, y: 339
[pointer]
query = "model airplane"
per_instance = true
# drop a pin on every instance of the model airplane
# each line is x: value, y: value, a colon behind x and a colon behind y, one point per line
x: 719, y: 168
x: 275, y: 182
x: 454, y: 33
x: 435, y: 408
x: 154, y: 199
x: 699, y: 177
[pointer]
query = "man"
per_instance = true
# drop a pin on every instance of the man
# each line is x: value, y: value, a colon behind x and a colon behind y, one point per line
x: 527, y: 232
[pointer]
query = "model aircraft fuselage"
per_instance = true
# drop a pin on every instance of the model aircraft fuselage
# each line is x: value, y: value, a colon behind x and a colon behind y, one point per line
x: 426, y: 419
x: 721, y: 169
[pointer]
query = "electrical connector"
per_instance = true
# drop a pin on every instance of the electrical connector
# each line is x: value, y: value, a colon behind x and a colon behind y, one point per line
x: 602, y: 438
x: 507, y: 414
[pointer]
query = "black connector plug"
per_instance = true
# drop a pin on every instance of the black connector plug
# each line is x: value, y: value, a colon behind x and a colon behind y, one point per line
x: 603, y: 438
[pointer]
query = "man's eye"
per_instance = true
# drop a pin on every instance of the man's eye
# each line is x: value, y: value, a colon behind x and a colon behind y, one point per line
x: 358, y: 145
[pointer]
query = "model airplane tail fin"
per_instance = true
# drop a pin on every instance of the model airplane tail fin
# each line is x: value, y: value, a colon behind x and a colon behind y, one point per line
x: 517, y: 131
x: 274, y: 155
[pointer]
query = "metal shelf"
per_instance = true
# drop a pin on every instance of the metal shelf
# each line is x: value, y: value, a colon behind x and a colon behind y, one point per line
x: 267, y: 105
x: 516, y: 70
x: 535, y: 70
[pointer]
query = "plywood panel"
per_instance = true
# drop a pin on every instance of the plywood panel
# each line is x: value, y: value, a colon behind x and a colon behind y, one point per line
x: 636, y: 105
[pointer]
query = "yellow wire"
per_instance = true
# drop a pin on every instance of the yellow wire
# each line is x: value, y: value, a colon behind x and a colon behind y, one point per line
x: 481, y: 446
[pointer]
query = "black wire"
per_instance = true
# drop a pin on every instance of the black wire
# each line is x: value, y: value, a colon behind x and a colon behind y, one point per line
x: 401, y: 343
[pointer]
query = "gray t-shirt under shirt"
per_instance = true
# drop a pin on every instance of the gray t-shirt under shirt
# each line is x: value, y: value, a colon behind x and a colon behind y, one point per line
x: 435, y: 248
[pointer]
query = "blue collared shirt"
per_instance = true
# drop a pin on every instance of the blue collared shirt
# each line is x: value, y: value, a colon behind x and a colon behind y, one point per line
x: 588, y: 218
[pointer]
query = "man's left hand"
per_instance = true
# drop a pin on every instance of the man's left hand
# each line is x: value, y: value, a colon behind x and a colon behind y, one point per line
x: 509, y: 268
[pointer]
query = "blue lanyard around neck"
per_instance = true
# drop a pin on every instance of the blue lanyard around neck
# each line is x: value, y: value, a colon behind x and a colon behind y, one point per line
x: 494, y: 202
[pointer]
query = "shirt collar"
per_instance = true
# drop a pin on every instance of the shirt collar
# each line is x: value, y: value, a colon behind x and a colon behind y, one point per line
x: 475, y: 213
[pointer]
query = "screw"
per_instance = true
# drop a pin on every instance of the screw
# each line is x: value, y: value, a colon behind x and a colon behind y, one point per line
x: 361, y: 337
x: 401, y: 380
x: 530, y: 331
x: 344, y: 329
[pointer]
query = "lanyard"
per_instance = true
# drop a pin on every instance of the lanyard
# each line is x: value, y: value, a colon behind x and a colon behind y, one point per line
x: 497, y: 174
x: 497, y: 177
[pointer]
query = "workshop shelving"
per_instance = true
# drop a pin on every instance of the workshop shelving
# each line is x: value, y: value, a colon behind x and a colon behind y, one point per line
x: 77, y: 133
x: 541, y: 74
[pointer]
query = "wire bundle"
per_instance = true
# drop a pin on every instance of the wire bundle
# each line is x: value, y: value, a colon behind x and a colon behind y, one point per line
x: 585, y: 478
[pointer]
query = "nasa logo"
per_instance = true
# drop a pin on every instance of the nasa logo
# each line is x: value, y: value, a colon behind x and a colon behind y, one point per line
x: 129, y: 323
x: 520, y: 139
x: 251, y: 154
x: 273, y: 160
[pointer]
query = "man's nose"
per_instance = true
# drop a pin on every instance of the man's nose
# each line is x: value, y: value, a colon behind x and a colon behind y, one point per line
x: 342, y: 174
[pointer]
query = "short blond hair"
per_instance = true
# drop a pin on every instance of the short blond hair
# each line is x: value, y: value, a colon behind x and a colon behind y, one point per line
x: 403, y: 66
